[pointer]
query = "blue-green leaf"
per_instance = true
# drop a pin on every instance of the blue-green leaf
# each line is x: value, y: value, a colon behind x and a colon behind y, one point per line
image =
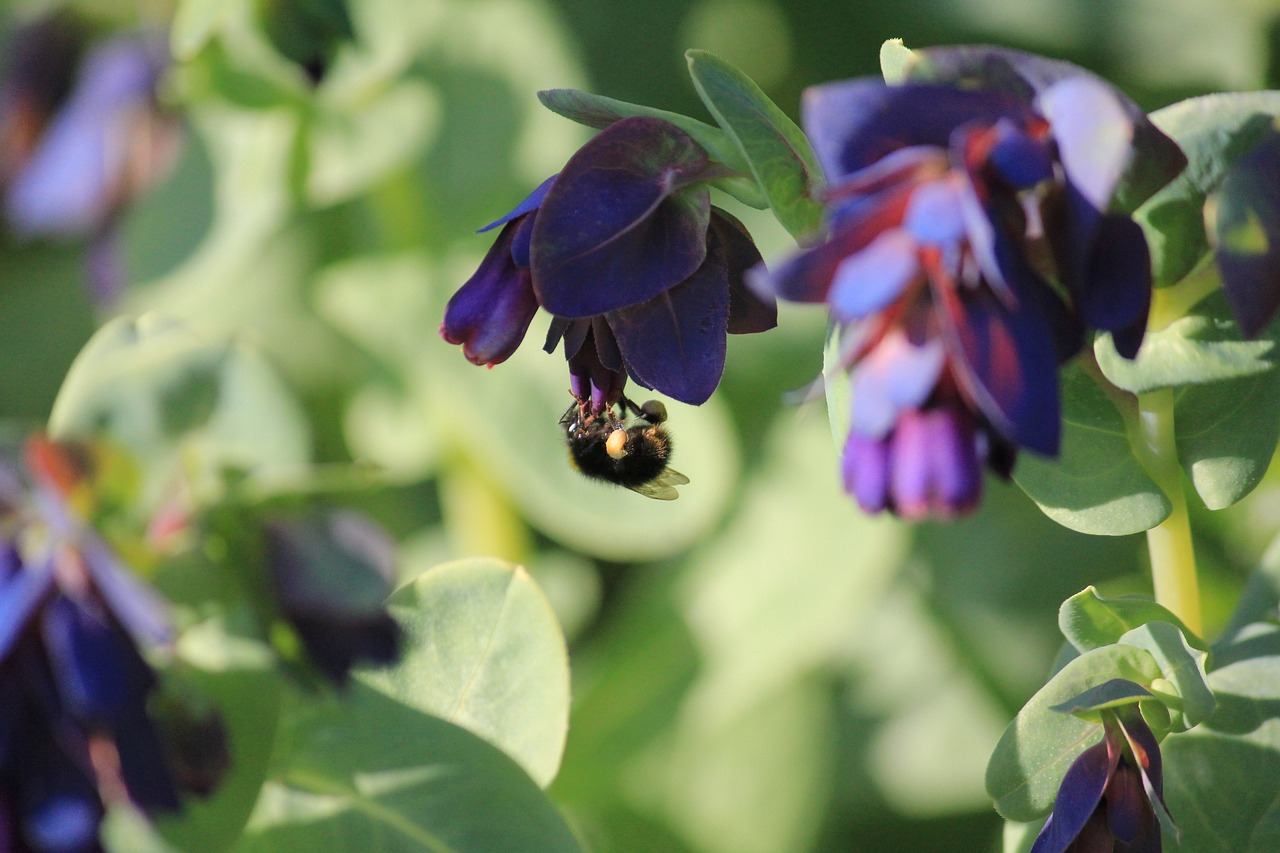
x: 1036, y: 749
x: 1213, y: 131
x: 1184, y: 666
x: 776, y: 150
x: 483, y: 650
x: 1096, y: 485
x: 1204, y: 346
x: 367, y: 772
x: 1090, y: 621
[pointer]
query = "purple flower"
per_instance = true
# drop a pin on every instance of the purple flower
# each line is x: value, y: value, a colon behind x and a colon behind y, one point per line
x: 75, y: 729
x: 81, y: 138
x: 331, y: 574
x: 969, y: 249
x: 1110, y: 794
x: 642, y: 276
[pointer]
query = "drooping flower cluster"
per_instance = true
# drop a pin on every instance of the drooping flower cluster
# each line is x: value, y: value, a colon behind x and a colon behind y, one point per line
x: 75, y: 732
x: 81, y: 136
x: 970, y: 248
x: 642, y: 276
x: 331, y: 574
x: 1108, y: 798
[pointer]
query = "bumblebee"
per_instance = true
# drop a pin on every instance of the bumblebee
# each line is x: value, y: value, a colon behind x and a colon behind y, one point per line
x: 605, y: 447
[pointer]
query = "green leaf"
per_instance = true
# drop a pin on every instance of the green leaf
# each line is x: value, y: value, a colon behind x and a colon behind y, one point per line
x: 895, y: 59
x: 483, y: 650
x: 1110, y: 694
x: 172, y: 398
x: 195, y: 22
x: 1036, y: 749
x: 1213, y: 131
x: 599, y: 112
x: 237, y: 674
x: 1090, y: 621
x: 1220, y: 776
x: 371, y: 773
x: 1096, y: 485
x: 1226, y: 435
x: 1184, y: 666
x: 776, y: 150
x: 1204, y: 346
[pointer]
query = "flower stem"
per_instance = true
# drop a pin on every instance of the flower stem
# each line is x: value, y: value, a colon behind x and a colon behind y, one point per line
x: 1173, y: 558
x: 479, y: 520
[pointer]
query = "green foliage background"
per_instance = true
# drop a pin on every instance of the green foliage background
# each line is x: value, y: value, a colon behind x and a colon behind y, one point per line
x: 756, y: 668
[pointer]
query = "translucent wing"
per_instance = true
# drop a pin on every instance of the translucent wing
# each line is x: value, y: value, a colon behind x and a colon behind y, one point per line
x: 663, y: 487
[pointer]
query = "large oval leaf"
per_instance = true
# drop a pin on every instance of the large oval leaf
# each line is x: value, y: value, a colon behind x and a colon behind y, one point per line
x: 1096, y: 485
x: 484, y: 651
x: 371, y: 773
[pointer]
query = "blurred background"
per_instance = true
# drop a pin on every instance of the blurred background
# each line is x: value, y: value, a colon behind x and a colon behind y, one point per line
x: 757, y: 667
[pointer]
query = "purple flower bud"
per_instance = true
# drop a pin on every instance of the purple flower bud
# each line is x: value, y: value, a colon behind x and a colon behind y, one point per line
x: 1110, y: 793
x: 490, y: 314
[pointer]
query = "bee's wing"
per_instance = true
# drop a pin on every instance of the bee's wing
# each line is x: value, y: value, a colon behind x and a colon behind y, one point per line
x: 663, y: 487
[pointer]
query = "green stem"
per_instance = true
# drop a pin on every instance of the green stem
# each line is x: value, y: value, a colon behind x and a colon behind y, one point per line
x: 1173, y: 558
x: 478, y: 518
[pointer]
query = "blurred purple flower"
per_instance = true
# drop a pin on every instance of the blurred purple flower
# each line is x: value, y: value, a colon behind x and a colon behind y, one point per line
x: 642, y: 276
x: 74, y: 688
x: 80, y: 142
x: 1110, y: 794
x: 331, y: 573
x: 950, y: 212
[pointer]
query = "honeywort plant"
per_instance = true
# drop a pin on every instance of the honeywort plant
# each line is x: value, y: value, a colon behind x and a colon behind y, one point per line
x: 207, y: 643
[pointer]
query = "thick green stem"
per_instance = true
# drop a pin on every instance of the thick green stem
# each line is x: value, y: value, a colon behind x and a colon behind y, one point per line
x: 479, y: 520
x: 1173, y: 558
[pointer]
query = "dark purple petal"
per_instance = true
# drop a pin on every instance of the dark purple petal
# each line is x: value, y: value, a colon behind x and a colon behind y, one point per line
x: 144, y: 763
x: 854, y: 123
x: 1115, y: 295
x: 1129, y: 815
x: 808, y: 276
x: 530, y: 204
x: 675, y: 342
x: 89, y: 661
x: 1006, y: 364
x: 1018, y: 157
x: 615, y: 228
x: 1158, y: 159
x: 521, y: 243
x: 335, y: 644
x: 20, y: 597
x: 1243, y: 218
x: 934, y: 468
x: 1078, y: 798
x: 606, y: 345
x: 557, y: 329
x: 490, y: 314
x: 749, y: 311
x: 1093, y: 132
x: 870, y: 280
x: 865, y: 466
x: 60, y: 810
x: 590, y: 380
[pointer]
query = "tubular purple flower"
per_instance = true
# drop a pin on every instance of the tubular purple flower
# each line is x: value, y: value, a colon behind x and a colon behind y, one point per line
x: 950, y: 211
x: 1110, y: 794
x: 642, y: 276
x: 75, y: 726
